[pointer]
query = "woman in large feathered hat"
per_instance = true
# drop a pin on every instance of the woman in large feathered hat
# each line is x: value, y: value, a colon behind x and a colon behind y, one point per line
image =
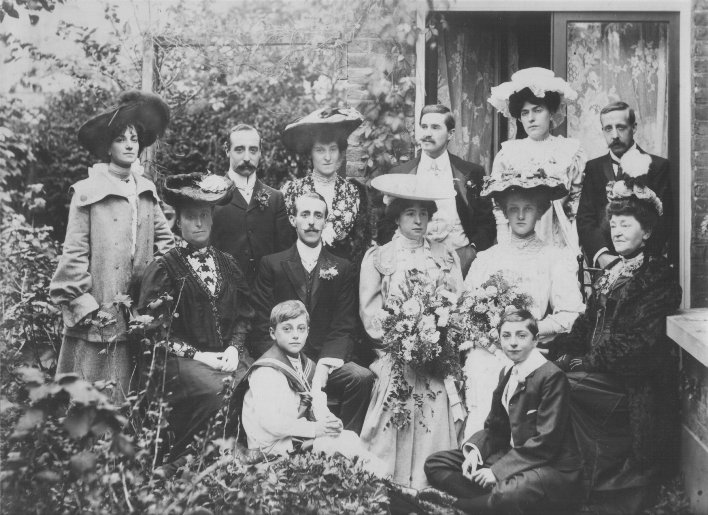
x: 545, y: 273
x: 536, y: 99
x: 212, y: 302
x: 115, y: 229
x: 322, y: 135
x: 621, y: 366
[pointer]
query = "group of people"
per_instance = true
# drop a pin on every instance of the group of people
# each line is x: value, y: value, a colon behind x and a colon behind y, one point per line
x: 281, y: 294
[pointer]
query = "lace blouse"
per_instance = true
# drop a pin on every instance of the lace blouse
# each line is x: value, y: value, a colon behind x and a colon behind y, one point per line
x: 547, y: 273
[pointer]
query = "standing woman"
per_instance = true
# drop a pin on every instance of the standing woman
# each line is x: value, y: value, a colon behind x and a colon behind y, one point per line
x: 622, y: 368
x: 115, y: 229
x: 546, y: 273
x: 213, y: 311
x: 323, y: 135
x: 536, y: 98
x: 432, y: 426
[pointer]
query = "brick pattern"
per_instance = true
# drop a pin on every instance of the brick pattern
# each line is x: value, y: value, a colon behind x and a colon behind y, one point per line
x: 699, y: 158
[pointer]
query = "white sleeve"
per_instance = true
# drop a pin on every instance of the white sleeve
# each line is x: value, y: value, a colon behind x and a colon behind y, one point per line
x: 272, y: 405
x: 565, y: 297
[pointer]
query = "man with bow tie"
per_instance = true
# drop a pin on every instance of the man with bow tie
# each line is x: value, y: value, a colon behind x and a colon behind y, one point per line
x: 255, y: 222
x: 465, y: 223
x: 325, y: 283
x: 618, y: 127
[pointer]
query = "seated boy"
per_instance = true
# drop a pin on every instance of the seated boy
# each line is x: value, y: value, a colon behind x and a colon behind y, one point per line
x: 525, y: 459
x: 280, y: 410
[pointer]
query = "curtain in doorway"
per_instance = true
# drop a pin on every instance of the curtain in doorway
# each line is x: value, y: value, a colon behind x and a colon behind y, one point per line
x: 619, y: 61
x: 467, y: 69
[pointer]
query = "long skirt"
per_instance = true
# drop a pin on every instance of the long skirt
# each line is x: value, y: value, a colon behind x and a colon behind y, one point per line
x: 431, y: 429
x: 195, y: 394
x: 98, y: 361
x: 481, y: 371
x: 615, y: 483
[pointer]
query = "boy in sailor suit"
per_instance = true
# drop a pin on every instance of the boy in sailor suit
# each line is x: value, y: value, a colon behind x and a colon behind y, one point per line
x: 281, y: 413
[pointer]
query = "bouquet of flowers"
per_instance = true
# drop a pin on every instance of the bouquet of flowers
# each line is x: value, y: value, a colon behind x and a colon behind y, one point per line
x: 415, y: 325
x: 477, y: 313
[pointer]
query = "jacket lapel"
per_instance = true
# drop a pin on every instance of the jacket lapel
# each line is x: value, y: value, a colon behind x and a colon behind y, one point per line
x: 296, y: 274
x: 459, y: 180
x: 238, y: 200
x: 254, y: 196
x: 608, y: 169
x: 317, y: 280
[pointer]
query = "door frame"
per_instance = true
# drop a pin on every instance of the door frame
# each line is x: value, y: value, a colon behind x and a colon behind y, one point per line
x: 680, y: 84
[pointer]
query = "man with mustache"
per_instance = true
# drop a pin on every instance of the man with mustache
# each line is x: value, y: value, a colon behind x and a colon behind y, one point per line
x: 325, y: 283
x: 255, y: 222
x: 619, y: 124
x: 465, y: 223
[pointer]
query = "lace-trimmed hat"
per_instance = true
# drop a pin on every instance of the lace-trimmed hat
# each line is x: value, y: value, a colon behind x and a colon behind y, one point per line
x: 540, y: 81
x: 529, y: 180
x: 633, y: 182
x: 133, y: 107
x: 412, y: 186
x: 338, y: 122
x: 197, y: 188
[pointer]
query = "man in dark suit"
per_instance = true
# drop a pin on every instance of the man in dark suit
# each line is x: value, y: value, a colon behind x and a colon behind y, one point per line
x: 618, y: 126
x: 254, y: 223
x: 325, y: 284
x: 525, y: 459
x: 466, y: 223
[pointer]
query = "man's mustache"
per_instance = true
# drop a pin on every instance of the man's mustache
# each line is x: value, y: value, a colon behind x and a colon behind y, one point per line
x: 246, y: 166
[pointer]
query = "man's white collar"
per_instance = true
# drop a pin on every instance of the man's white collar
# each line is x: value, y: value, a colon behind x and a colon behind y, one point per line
x: 241, y: 182
x: 617, y: 159
x: 308, y: 253
x: 443, y: 160
x: 534, y: 361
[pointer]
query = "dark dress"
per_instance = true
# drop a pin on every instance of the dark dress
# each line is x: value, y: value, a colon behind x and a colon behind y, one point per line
x: 624, y: 395
x: 206, y: 322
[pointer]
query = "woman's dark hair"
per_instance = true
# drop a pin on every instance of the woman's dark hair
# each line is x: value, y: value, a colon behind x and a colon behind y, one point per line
x: 537, y: 195
x: 551, y: 101
x: 644, y: 213
x: 328, y: 135
x: 399, y: 205
x: 117, y: 130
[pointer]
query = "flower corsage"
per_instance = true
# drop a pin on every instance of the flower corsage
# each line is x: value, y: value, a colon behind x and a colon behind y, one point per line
x: 263, y: 199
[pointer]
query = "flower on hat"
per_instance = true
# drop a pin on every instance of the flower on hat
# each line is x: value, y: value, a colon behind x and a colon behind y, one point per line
x: 635, y: 163
x: 621, y: 190
x: 213, y: 184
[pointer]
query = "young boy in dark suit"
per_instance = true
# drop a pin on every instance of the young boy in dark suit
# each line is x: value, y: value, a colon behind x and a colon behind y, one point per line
x: 525, y: 459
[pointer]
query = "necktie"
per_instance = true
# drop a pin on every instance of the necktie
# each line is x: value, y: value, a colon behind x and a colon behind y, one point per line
x: 434, y: 168
x: 511, y: 386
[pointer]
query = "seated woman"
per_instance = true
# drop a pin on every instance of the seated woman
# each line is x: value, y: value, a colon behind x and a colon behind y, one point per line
x: 433, y: 425
x: 546, y: 273
x: 212, y: 313
x: 535, y: 100
x: 323, y: 136
x: 621, y: 366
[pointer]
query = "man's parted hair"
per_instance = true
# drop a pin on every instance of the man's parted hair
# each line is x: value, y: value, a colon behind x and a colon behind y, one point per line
x: 310, y: 194
x: 620, y: 106
x: 519, y: 315
x: 288, y: 310
x: 439, y: 109
x: 239, y: 128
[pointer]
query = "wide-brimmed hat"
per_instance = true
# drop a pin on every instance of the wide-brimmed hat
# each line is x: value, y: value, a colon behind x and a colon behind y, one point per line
x: 412, y: 187
x: 338, y: 122
x: 527, y: 180
x: 197, y: 188
x: 633, y: 181
x: 540, y: 81
x: 146, y: 109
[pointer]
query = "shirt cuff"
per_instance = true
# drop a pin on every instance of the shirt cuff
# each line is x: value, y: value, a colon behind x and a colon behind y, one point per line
x: 598, y: 254
x: 331, y: 363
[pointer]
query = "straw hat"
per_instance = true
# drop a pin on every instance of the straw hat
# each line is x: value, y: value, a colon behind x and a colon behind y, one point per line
x: 339, y: 123
x: 146, y: 109
x: 528, y: 180
x: 412, y: 186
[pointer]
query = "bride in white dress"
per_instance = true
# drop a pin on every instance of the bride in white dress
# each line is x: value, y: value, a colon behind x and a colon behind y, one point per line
x: 548, y: 274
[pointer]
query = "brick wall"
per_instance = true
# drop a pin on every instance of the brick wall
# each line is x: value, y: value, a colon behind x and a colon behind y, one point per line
x: 699, y: 202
